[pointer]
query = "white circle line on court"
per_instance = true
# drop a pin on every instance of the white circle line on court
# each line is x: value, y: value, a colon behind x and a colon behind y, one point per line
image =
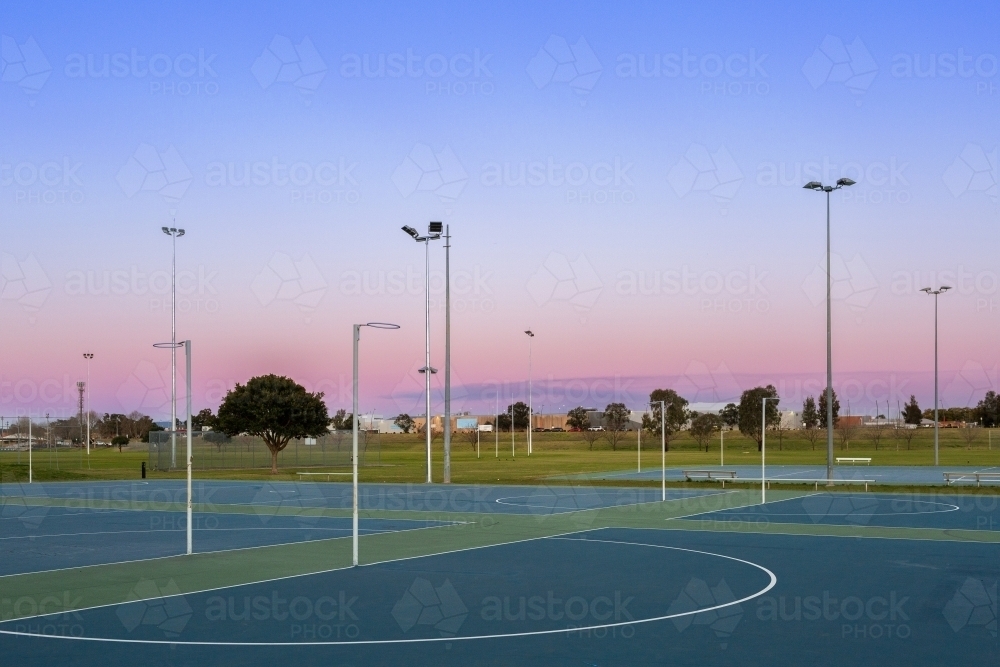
x: 422, y: 640
x: 860, y: 511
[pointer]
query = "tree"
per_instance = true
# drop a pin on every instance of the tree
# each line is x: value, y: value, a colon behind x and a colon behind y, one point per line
x: 907, y: 435
x: 520, y: 412
x: 502, y: 422
x: 275, y: 409
x: 202, y: 419
x: 750, y: 412
x: 911, y: 412
x: 404, y: 422
x: 341, y: 421
x: 970, y: 434
x: 875, y: 431
x: 730, y: 415
x: 822, y: 408
x: 615, y: 420
x: 987, y: 411
x: 673, y: 419
x: 119, y: 441
x: 810, y: 420
x: 577, y: 419
x: 703, y: 427
x: 845, y: 432
x: 590, y: 437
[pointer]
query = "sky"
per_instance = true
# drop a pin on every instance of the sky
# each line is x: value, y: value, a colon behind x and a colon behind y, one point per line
x: 624, y: 179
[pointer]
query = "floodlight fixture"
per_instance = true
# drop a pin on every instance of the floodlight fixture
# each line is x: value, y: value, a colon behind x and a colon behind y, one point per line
x: 844, y: 182
x: 435, y: 228
x: 813, y: 185
x: 411, y: 231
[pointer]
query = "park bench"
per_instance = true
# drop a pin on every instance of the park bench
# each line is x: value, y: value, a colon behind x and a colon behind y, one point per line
x: 854, y: 459
x: 321, y: 474
x: 710, y: 475
x: 980, y: 477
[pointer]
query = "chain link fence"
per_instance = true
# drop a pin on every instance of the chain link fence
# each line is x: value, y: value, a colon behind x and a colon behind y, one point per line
x: 213, y: 451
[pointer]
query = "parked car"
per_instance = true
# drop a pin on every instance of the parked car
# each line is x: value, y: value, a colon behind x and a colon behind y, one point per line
x: 596, y: 428
x: 557, y: 429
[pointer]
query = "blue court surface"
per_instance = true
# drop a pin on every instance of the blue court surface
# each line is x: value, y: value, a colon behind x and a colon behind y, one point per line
x: 602, y: 597
x: 908, y: 475
x: 35, y: 539
x: 922, y: 510
x: 480, y: 499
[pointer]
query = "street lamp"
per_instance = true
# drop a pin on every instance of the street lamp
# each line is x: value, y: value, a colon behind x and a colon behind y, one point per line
x: 433, y: 234
x: 530, y: 336
x: 88, y: 356
x: 819, y: 187
x: 174, y: 234
x: 936, y: 293
x: 354, y: 421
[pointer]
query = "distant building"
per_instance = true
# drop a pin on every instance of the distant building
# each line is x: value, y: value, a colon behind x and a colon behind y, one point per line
x: 790, y: 419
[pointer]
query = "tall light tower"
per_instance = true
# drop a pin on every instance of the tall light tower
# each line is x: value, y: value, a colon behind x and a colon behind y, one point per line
x: 174, y: 234
x: 936, y: 292
x: 819, y: 187
x: 433, y: 234
x: 88, y: 356
x: 530, y: 336
x: 447, y: 353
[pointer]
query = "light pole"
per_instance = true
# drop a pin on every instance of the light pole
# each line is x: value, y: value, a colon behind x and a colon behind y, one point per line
x: 354, y: 427
x: 174, y: 234
x: 936, y: 292
x: 88, y: 356
x: 530, y: 336
x: 763, y: 448
x: 447, y: 352
x: 819, y: 187
x: 433, y: 234
x: 172, y: 346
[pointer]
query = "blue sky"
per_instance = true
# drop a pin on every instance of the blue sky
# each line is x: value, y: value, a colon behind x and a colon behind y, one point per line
x: 638, y: 180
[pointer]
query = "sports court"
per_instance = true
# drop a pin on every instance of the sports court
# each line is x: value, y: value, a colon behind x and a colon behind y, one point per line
x: 496, y: 574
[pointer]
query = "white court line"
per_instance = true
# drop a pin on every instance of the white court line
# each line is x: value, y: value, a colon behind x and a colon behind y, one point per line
x: 220, y: 551
x: 422, y: 640
x: 155, y: 531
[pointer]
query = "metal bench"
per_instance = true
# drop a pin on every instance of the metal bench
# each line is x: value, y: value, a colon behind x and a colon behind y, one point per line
x: 980, y: 477
x: 710, y: 475
x: 322, y: 474
x: 853, y: 460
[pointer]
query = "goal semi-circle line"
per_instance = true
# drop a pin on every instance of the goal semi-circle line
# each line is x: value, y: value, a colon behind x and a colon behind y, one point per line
x: 500, y: 501
x: 422, y: 640
x: 950, y: 506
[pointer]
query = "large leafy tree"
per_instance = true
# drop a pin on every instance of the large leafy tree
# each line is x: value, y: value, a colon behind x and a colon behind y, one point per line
x: 988, y: 410
x: 577, y: 418
x: 911, y: 411
x: 810, y: 420
x: 615, y: 420
x: 275, y: 409
x: 405, y: 422
x: 703, y: 427
x: 673, y: 419
x: 520, y: 412
x: 730, y: 415
x: 822, y: 408
x: 750, y: 412
x: 202, y: 419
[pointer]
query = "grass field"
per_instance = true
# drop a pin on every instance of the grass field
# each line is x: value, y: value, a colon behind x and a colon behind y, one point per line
x: 554, y: 454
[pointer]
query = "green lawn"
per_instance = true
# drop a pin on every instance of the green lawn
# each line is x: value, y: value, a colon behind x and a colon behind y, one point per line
x: 555, y: 454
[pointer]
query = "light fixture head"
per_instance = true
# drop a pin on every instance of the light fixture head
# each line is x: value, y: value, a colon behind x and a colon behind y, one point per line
x: 945, y: 288
x: 530, y: 333
x: 813, y: 185
x: 180, y: 233
x: 165, y: 230
x: 435, y: 228
x: 926, y: 289
x: 411, y: 231
x: 844, y: 182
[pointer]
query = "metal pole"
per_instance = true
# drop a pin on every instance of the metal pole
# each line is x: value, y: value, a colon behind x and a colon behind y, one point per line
x: 763, y: 450
x: 663, y: 451
x: 173, y: 352
x: 447, y: 355
x: 427, y: 351
x: 829, y: 354
x: 936, y: 458
x: 354, y: 449
x: 88, y: 356
x: 530, y: 414
x: 187, y: 355
x: 722, y: 447
x: 496, y: 425
x: 512, y: 455
x: 638, y: 449
x: 30, y: 470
